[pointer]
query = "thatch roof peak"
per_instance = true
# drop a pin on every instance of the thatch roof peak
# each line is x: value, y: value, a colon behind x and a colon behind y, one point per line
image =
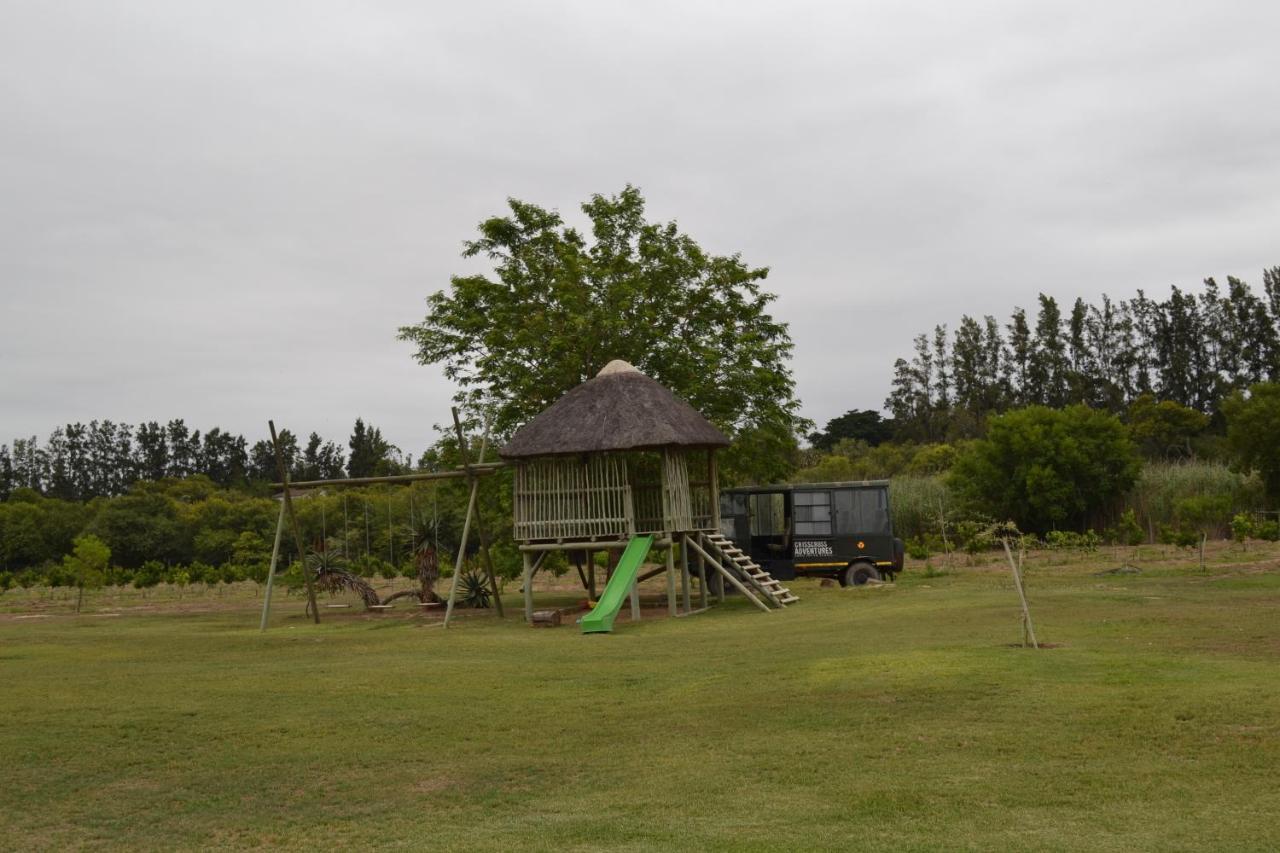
x: 617, y: 366
x: 619, y: 409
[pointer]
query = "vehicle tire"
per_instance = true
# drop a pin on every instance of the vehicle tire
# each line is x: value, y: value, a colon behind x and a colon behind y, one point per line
x: 858, y: 574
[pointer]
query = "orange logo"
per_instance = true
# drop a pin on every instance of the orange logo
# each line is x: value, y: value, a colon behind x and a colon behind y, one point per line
x: 861, y: 545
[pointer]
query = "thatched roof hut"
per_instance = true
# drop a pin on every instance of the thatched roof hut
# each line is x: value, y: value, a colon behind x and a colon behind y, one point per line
x: 621, y: 409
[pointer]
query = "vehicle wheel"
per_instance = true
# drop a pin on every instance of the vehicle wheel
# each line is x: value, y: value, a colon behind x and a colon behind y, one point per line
x: 859, y: 573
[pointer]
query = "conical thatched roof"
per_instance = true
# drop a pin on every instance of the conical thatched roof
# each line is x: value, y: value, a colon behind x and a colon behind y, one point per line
x: 620, y: 409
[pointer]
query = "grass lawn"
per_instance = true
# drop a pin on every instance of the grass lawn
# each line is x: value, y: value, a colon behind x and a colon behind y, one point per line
x: 895, y: 718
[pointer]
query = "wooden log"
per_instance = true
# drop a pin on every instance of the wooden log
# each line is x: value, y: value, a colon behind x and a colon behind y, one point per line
x: 545, y: 618
x: 477, y: 468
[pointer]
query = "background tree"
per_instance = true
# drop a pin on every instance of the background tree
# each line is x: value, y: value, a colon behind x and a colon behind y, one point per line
x: 560, y: 305
x: 371, y: 454
x: 1253, y: 422
x: 1164, y: 429
x: 87, y: 564
x: 856, y: 425
x: 1046, y: 468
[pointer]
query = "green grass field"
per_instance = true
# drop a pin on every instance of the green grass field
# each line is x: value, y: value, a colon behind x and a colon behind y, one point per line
x: 895, y: 718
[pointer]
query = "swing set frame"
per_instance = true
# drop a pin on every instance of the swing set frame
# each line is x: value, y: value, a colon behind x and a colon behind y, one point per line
x: 473, y: 472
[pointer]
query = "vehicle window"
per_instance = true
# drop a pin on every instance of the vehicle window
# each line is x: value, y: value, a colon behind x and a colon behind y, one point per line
x: 862, y: 511
x: 873, y: 509
x: 767, y: 515
x: 813, y: 513
x: 733, y: 504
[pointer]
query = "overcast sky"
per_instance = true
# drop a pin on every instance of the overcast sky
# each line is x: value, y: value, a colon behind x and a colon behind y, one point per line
x: 223, y: 211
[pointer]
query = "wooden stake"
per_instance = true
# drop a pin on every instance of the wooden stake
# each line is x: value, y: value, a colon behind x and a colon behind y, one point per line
x: 283, y: 472
x: 271, y: 572
x: 1022, y: 596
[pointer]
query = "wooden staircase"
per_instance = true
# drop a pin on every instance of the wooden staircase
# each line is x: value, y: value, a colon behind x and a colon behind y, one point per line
x: 731, y: 557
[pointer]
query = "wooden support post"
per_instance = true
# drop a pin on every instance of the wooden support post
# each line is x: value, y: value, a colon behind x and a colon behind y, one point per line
x: 527, y: 575
x: 702, y: 579
x: 591, y: 575
x: 672, y: 607
x: 635, y: 599
x: 283, y: 473
x: 1022, y: 596
x: 481, y: 534
x: 271, y: 572
x: 684, y: 578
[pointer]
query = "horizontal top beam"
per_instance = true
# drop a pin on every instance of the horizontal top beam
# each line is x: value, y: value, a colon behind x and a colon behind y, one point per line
x: 477, y: 468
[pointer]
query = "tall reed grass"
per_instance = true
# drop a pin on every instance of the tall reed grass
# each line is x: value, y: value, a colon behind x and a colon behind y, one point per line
x: 917, y: 502
x: 1154, y: 498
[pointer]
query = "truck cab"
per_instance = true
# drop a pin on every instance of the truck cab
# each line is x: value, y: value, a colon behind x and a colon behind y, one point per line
x: 835, y: 530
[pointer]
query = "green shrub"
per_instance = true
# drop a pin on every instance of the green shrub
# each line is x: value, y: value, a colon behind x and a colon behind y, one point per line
x: 1242, y: 528
x: 149, y: 574
x: 1127, y: 530
x: 917, y: 549
x: 1269, y: 531
x: 473, y: 589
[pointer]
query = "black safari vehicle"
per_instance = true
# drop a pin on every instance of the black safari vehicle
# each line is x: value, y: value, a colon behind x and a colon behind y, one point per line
x: 836, y: 530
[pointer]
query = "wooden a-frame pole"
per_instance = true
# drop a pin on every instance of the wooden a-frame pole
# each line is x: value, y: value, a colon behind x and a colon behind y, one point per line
x: 271, y: 572
x: 481, y: 533
x: 462, y: 550
x: 293, y: 523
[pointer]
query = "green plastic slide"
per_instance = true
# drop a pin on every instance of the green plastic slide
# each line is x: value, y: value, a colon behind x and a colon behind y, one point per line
x: 600, y: 619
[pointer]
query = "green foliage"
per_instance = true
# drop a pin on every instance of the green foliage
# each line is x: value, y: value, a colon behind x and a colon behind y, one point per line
x: 558, y: 307
x: 473, y: 589
x: 1127, y: 531
x: 1242, y: 527
x: 857, y: 460
x: 1253, y: 423
x: 1069, y: 540
x: 1046, y: 468
x: 917, y: 548
x: 916, y: 505
x: 88, y: 561
x: 149, y: 574
x: 1161, y: 486
x: 866, y: 425
x: 1164, y: 429
x: 1204, y: 513
x: 1269, y: 531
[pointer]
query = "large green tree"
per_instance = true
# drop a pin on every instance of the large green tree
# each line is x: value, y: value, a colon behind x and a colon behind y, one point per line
x: 1047, y: 468
x: 560, y: 305
x: 1253, y: 422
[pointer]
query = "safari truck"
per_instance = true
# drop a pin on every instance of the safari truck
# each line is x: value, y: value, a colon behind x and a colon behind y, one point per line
x: 833, y: 530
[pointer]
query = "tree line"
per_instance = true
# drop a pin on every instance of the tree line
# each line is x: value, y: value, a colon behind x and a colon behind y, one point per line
x: 1192, y: 349
x: 79, y: 462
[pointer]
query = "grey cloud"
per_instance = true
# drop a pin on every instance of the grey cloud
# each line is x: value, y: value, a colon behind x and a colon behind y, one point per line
x: 223, y: 211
